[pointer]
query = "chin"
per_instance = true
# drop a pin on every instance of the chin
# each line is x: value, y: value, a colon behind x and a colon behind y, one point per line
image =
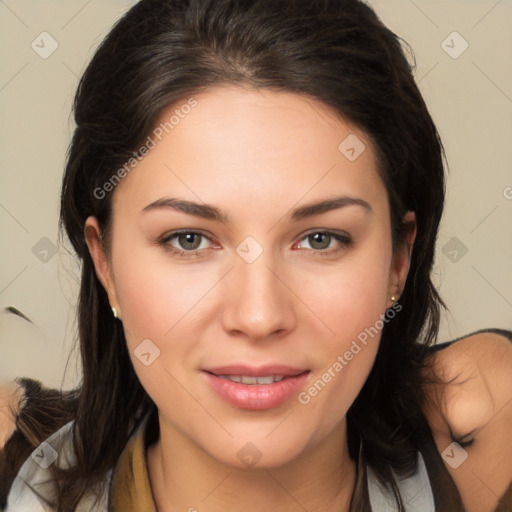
x: 259, y: 452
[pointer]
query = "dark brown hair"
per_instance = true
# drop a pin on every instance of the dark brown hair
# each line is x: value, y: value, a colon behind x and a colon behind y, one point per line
x: 335, y: 51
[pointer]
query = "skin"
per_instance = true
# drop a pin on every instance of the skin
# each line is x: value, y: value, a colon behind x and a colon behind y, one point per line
x: 256, y: 155
x: 10, y: 396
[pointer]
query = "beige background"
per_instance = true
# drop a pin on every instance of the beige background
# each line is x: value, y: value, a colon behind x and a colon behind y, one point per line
x: 470, y: 99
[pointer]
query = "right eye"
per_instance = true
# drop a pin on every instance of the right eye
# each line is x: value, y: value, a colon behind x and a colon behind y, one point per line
x: 188, y: 240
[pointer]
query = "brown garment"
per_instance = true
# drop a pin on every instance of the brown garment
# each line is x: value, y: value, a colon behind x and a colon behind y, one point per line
x: 446, y: 494
x: 131, y: 490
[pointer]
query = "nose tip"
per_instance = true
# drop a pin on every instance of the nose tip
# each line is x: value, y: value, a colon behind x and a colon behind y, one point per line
x: 257, y: 303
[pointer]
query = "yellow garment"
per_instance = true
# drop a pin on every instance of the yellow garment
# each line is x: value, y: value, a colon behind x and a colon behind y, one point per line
x: 130, y: 488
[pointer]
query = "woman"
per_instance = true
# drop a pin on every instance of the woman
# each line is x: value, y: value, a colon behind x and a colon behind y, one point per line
x: 280, y: 361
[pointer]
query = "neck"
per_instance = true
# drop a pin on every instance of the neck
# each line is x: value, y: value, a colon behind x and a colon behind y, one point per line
x: 185, y: 478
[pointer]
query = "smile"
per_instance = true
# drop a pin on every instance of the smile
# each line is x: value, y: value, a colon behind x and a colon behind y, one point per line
x: 253, y: 388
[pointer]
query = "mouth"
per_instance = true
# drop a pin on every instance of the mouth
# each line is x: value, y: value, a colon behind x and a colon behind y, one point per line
x: 242, y: 370
x: 255, y: 388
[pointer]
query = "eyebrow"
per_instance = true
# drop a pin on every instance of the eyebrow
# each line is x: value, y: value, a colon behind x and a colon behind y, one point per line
x: 210, y: 212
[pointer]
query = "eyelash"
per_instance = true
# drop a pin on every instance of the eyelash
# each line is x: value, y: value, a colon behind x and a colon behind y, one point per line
x: 461, y: 443
x: 344, y: 239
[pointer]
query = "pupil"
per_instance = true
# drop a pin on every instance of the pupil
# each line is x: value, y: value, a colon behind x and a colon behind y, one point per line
x: 185, y: 239
x: 321, y: 235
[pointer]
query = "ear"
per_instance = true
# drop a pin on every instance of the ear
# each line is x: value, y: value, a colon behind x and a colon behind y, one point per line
x: 402, y: 259
x: 92, y: 233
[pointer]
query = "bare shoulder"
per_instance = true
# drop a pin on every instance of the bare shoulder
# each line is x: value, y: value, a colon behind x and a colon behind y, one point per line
x: 471, y: 404
x: 10, y: 397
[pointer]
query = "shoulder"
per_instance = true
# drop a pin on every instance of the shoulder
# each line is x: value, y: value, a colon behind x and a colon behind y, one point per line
x: 11, y: 395
x: 468, y: 392
x: 33, y: 483
x: 33, y: 487
x: 35, y: 421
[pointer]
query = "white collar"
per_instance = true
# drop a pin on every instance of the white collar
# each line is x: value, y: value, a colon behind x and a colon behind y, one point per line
x: 416, y: 491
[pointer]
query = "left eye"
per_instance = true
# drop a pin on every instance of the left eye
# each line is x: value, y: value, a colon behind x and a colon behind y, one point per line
x: 320, y: 240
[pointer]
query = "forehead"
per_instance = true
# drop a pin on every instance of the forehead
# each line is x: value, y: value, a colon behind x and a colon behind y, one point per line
x: 242, y: 144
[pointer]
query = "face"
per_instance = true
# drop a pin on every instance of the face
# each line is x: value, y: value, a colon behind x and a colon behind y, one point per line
x: 258, y: 324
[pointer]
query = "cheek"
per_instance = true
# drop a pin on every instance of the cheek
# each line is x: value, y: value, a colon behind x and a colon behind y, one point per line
x: 157, y: 304
x: 155, y: 295
x: 351, y: 296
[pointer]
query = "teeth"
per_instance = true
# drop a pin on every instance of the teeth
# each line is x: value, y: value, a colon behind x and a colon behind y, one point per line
x: 245, y: 379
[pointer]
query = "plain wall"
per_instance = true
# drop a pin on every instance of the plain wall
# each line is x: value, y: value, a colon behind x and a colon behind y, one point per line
x: 469, y: 96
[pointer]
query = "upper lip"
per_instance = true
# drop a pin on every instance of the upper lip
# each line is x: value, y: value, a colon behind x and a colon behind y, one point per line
x: 256, y: 371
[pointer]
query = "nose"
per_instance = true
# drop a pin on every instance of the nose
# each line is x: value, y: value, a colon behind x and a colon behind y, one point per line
x: 259, y: 304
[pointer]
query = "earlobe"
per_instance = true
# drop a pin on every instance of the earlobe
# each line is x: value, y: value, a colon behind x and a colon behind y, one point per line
x: 92, y: 234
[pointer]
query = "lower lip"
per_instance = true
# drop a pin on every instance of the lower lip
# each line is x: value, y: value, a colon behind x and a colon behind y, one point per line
x: 256, y: 396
